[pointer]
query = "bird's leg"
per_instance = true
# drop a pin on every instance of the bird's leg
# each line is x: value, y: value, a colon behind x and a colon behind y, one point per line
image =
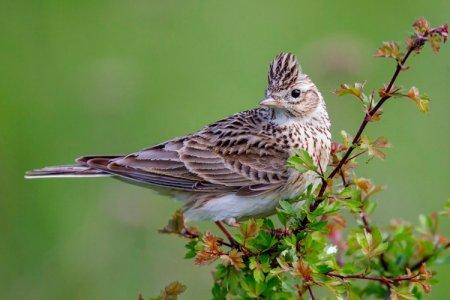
x: 227, y: 233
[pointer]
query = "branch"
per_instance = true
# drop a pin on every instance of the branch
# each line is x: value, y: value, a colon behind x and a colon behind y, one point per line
x: 415, y: 45
x: 384, y: 280
x: 363, y: 125
x: 311, y: 295
x: 425, y: 259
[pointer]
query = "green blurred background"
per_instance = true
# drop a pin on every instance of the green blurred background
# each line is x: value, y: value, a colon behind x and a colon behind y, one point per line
x: 99, y: 77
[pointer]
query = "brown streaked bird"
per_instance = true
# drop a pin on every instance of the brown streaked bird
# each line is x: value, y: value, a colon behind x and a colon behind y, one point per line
x: 235, y: 168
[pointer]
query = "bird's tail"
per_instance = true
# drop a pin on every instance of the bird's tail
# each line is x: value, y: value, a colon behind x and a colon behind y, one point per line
x: 65, y: 171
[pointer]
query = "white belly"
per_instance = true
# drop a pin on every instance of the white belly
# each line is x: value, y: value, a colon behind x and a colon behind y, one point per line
x: 232, y: 206
x: 238, y: 207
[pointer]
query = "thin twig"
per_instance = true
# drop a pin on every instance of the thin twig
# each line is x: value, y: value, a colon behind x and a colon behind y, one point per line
x: 356, y: 155
x: 365, y: 221
x: 311, y: 295
x: 227, y: 234
x: 425, y: 259
x: 384, y: 280
x: 344, y: 180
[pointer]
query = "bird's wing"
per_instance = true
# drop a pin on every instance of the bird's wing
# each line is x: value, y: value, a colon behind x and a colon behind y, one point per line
x: 237, y: 154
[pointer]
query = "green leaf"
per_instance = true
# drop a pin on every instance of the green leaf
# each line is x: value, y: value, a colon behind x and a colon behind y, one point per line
x: 302, y: 161
x: 318, y: 226
x: 219, y: 292
x: 324, y: 269
x: 401, y: 293
x: 355, y: 90
x: 422, y: 101
x: 258, y: 275
x: 192, y: 249
x: 252, y: 287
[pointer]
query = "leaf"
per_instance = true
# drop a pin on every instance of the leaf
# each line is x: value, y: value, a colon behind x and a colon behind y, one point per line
x: 302, y: 161
x: 363, y: 184
x: 377, y: 115
x: 380, y: 249
x: 234, y: 258
x: 192, y: 249
x: 421, y: 25
x: 172, y: 291
x: 302, y: 269
x: 346, y: 139
x: 435, y: 42
x: 324, y: 269
x: 249, y: 228
x: 401, y: 293
x: 351, y: 198
x: 252, y: 287
x: 373, y: 148
x: 210, y: 252
x: 422, y: 101
x: 442, y: 31
x: 423, y: 105
x: 413, y: 93
x: 381, y: 142
x: 175, y: 225
x: 318, y: 226
x: 389, y: 50
x: 210, y: 242
x: 355, y: 90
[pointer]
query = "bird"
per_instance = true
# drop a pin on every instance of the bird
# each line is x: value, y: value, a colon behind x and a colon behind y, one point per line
x: 236, y: 168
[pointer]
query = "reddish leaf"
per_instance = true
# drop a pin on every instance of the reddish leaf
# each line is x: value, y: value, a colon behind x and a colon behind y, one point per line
x: 422, y: 101
x: 302, y: 269
x: 234, y: 258
x: 176, y: 224
x: 421, y: 25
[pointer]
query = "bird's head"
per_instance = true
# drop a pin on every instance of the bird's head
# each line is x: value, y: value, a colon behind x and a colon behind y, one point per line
x: 289, y: 91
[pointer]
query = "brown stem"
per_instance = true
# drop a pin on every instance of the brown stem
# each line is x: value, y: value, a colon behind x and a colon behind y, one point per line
x: 311, y: 295
x: 227, y: 233
x: 425, y: 259
x: 344, y: 180
x: 384, y: 280
x: 365, y: 222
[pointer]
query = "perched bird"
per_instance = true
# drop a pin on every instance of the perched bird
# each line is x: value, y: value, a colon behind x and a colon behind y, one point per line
x: 235, y: 168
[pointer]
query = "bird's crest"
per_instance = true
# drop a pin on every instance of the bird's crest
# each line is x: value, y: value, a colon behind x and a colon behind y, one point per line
x: 283, y: 72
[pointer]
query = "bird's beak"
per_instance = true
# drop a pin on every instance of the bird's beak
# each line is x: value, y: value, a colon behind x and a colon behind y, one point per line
x: 271, y: 102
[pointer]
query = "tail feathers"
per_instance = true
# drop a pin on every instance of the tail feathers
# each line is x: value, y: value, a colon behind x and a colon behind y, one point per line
x: 66, y: 171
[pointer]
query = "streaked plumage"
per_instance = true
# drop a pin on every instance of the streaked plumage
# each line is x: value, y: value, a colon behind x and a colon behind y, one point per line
x: 235, y: 168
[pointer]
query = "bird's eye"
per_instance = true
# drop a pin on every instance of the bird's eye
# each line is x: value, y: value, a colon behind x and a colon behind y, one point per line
x: 296, y: 93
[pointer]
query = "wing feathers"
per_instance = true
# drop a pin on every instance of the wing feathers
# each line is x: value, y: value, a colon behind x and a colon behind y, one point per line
x: 235, y: 154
